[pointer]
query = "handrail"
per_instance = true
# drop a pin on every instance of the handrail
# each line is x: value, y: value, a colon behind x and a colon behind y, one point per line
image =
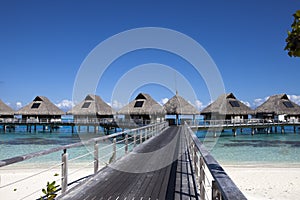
x: 17, y: 159
x: 222, y: 186
x: 73, y: 121
x: 239, y: 122
x: 143, y: 133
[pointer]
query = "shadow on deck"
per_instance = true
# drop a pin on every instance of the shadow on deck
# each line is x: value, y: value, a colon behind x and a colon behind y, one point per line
x: 160, y: 168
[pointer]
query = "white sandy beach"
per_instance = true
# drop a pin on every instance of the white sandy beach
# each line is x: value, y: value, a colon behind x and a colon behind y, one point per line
x: 32, y: 188
x: 266, y: 182
x: 256, y: 182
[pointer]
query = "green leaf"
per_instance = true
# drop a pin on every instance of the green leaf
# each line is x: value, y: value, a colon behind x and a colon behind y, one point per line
x: 44, y: 191
x: 56, y: 174
x: 297, y: 13
x: 297, y: 53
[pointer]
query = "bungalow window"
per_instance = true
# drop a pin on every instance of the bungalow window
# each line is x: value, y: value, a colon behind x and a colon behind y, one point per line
x: 86, y: 105
x: 35, y: 105
x: 288, y: 104
x: 234, y: 103
x: 138, y: 104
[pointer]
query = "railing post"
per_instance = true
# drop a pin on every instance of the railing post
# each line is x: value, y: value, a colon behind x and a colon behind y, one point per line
x: 141, y: 137
x: 202, y: 179
x: 196, y: 163
x: 114, y: 150
x: 193, y: 153
x: 126, y: 143
x: 215, y: 193
x: 134, y: 139
x: 153, y: 129
x: 64, y: 171
x: 96, y: 156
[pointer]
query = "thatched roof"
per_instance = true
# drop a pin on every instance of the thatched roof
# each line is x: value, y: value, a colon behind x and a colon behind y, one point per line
x: 92, y: 105
x: 177, y: 105
x: 143, y: 104
x: 40, y: 106
x: 5, y: 109
x: 279, y: 104
x: 227, y: 104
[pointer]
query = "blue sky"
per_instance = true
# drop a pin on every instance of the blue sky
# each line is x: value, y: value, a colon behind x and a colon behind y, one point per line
x: 43, y: 44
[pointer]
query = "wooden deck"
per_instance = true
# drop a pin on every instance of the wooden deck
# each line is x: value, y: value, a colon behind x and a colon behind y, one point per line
x: 160, y: 168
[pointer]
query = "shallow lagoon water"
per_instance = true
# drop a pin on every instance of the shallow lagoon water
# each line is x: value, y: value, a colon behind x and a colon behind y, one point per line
x: 19, y: 143
x: 261, y: 148
x: 244, y: 149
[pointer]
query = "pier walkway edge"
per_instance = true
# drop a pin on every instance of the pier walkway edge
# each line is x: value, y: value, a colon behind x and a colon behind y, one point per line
x: 171, y: 165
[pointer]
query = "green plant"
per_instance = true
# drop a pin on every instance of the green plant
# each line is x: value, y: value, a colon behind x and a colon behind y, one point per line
x: 50, y: 191
x: 293, y: 39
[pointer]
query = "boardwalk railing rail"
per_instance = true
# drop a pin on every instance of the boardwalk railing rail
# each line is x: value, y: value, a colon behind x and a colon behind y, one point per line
x: 211, y: 177
x: 239, y: 122
x: 134, y: 136
x: 72, y: 121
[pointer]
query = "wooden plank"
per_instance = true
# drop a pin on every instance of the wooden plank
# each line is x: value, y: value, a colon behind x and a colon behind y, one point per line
x: 157, y: 184
x: 186, y: 187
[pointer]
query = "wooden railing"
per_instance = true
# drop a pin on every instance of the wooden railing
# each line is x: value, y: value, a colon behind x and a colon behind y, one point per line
x: 238, y: 122
x: 135, y: 136
x: 212, y: 180
x: 88, y: 121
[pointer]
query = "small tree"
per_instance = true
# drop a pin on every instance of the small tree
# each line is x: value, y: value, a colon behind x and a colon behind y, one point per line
x: 293, y: 39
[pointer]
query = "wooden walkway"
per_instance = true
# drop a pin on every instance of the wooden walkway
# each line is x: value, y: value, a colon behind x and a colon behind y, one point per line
x: 160, y: 168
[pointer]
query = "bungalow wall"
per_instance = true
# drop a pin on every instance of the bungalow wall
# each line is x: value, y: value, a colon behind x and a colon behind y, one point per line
x: 275, y: 117
x: 40, y: 118
x: 232, y: 118
x: 92, y: 118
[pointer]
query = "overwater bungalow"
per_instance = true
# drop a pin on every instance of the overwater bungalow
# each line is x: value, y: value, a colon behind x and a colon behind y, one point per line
x: 6, y: 112
x: 178, y: 106
x: 41, y: 109
x: 143, y: 110
x: 92, y: 109
x: 227, y: 107
x: 279, y: 108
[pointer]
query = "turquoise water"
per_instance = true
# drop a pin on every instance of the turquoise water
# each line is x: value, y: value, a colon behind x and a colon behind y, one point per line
x: 19, y: 143
x: 275, y: 148
x: 262, y: 148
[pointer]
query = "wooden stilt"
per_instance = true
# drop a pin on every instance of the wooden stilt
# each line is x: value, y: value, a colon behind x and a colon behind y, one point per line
x: 234, y: 132
x: 282, y: 129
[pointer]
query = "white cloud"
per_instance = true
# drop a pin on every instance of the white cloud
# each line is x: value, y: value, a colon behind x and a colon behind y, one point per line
x: 259, y: 101
x: 116, y: 105
x: 199, y: 105
x: 294, y: 98
x: 65, y: 104
x: 163, y: 101
x: 18, y: 105
x: 246, y: 103
x: 15, y: 106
